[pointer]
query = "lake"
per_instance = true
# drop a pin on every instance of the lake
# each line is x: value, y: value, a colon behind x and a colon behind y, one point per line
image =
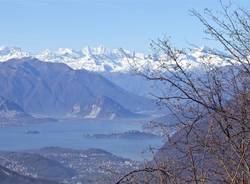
x: 70, y: 134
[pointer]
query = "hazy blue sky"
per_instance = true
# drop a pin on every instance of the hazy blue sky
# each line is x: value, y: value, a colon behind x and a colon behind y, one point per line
x: 39, y: 24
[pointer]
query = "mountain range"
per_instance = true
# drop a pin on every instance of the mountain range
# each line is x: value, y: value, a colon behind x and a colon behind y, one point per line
x: 98, y: 59
x: 117, y: 65
x: 101, y: 59
x: 54, y: 89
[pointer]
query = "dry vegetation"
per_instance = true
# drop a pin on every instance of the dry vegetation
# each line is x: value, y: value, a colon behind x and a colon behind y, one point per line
x: 212, y: 144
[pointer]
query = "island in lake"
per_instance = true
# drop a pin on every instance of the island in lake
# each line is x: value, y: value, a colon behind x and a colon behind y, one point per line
x: 132, y: 134
x: 32, y: 132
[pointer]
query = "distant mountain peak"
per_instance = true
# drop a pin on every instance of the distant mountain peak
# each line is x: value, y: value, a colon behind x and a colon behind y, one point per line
x: 102, y: 59
x: 7, y: 53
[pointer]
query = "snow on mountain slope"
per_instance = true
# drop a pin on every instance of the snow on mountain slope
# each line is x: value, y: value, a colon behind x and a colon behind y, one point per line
x: 98, y: 59
x: 7, y: 53
x: 117, y: 64
x: 101, y: 59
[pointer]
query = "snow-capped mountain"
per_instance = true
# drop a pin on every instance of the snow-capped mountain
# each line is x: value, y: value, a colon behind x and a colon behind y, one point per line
x: 98, y: 59
x: 7, y: 53
x: 101, y: 59
x: 117, y: 64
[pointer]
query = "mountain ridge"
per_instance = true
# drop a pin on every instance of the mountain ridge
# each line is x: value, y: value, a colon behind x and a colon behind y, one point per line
x: 54, y: 88
x: 101, y: 59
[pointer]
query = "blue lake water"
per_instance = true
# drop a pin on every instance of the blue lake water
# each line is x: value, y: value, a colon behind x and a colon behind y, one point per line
x: 69, y: 134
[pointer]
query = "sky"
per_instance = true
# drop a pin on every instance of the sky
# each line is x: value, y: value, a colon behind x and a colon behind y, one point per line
x: 49, y: 24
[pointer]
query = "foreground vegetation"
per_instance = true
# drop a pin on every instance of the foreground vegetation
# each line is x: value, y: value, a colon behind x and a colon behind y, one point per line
x: 212, y: 143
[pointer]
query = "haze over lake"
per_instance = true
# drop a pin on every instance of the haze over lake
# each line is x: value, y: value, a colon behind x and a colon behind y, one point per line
x: 70, y: 134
